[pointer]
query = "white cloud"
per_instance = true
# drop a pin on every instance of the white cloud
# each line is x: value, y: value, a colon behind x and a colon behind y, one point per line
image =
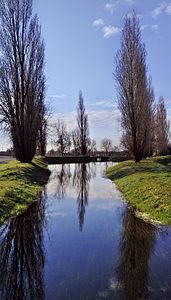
x: 110, y: 7
x: 158, y: 10
x: 143, y: 27
x: 162, y: 8
x: 103, y: 118
x: 69, y: 119
x: 103, y: 122
x: 98, y: 23
x: 103, y: 103
x: 60, y: 96
x: 155, y: 27
x: 168, y: 9
x: 109, y: 31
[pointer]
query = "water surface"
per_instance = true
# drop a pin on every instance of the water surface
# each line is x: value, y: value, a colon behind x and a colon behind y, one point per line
x: 82, y: 241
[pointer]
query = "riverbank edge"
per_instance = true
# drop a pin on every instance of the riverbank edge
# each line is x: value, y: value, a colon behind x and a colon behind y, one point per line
x: 146, y: 186
x: 20, y: 185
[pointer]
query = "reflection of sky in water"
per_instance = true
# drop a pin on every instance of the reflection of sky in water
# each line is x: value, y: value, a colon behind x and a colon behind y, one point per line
x: 99, y: 187
x: 113, y: 256
x: 82, y: 258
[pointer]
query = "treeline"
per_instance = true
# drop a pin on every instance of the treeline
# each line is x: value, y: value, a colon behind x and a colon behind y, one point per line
x: 145, y: 126
x: 77, y: 141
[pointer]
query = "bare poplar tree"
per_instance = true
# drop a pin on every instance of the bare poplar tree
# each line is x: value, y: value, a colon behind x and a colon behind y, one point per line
x: 82, y: 122
x: 134, y: 89
x: 45, y: 128
x: 76, y: 140
x: 92, y: 147
x: 42, y: 137
x: 106, y: 145
x: 150, y: 122
x: 42, y: 132
x: 162, y: 128
x: 22, y: 80
x: 62, y: 137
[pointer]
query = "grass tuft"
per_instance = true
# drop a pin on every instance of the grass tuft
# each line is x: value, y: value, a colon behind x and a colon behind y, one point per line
x: 20, y: 184
x: 146, y: 185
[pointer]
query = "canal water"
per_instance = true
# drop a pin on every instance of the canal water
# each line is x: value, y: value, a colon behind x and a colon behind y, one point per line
x: 81, y: 240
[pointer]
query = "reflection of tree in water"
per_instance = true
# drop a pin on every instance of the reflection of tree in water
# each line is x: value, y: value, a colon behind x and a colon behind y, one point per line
x: 81, y: 180
x: 137, y: 243
x: 107, y: 164
x: 22, y: 255
x: 63, y: 177
x: 93, y: 169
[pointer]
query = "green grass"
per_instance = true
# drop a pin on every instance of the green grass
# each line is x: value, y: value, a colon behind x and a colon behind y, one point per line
x: 146, y: 185
x: 20, y: 184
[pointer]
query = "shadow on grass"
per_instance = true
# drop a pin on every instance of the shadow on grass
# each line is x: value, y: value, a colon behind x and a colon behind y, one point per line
x: 32, y: 173
x: 37, y: 174
x: 164, y: 160
x: 20, y: 184
x: 157, y: 166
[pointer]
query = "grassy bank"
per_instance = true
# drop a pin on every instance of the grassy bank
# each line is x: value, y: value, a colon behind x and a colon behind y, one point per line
x: 20, y: 184
x: 146, y: 185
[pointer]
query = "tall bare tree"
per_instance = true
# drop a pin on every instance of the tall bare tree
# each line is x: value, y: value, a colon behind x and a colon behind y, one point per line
x: 22, y: 80
x: 44, y: 129
x: 134, y: 89
x: 76, y: 140
x: 150, y: 122
x: 162, y: 129
x: 42, y: 137
x: 63, y: 140
x: 42, y: 133
x: 82, y: 122
x: 92, y: 147
x: 106, y: 145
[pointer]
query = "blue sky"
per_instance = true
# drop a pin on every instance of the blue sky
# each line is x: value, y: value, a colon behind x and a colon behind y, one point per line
x: 82, y: 37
